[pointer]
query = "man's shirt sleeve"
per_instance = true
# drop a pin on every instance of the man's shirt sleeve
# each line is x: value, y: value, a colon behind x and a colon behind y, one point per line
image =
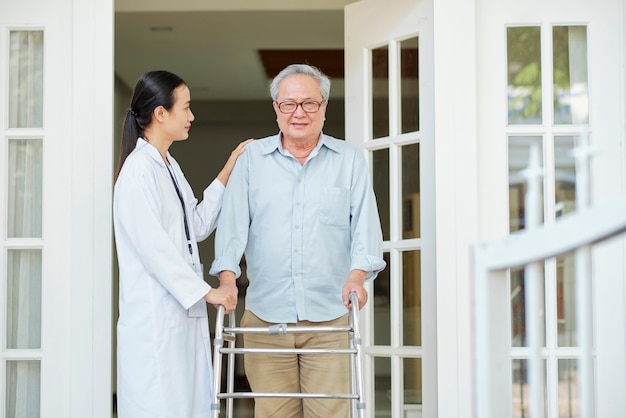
x: 366, y: 245
x: 231, y: 236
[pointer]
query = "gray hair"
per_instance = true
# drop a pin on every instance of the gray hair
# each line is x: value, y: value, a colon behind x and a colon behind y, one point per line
x: 305, y: 69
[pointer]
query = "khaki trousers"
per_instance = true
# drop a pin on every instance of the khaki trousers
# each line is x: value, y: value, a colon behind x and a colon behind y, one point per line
x: 298, y: 373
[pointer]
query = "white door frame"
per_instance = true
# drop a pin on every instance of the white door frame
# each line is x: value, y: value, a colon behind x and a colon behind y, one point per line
x: 77, y: 192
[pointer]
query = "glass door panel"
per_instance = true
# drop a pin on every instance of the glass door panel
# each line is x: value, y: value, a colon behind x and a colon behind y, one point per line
x: 409, y: 85
x: 380, y: 92
x: 381, y: 181
x: 26, y: 79
x: 569, y: 57
x: 524, y: 75
x: 411, y: 298
x: 411, y: 210
x: 22, y: 226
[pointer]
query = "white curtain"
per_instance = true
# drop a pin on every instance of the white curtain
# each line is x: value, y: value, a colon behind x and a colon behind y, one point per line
x: 24, y: 221
x: 26, y: 79
x: 23, y: 332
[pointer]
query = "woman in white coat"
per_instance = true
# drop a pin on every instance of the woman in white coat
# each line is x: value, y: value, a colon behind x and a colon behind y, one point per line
x: 163, y: 341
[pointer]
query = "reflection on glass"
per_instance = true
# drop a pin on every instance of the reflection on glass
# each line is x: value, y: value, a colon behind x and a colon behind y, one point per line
x: 26, y: 79
x: 519, y: 153
x: 412, y: 385
x: 380, y: 92
x: 524, y: 75
x: 409, y: 87
x: 520, y: 389
x: 23, y: 299
x: 23, y: 388
x: 382, y: 386
x: 518, y: 314
x: 382, y: 305
x: 410, y: 191
x: 380, y: 172
x: 519, y: 338
x: 569, y: 57
x: 568, y: 389
x: 411, y: 291
x: 25, y: 188
x: 565, y: 300
x: 565, y: 173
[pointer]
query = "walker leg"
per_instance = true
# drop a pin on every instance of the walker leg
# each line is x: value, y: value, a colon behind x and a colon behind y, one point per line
x: 217, y: 362
x: 356, y: 343
x: 230, y: 377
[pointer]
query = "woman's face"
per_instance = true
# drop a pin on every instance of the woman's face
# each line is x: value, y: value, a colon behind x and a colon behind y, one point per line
x: 300, y: 125
x: 179, y: 117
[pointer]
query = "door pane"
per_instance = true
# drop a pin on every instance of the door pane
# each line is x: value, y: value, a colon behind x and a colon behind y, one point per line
x: 520, y: 389
x: 519, y: 154
x: 412, y: 387
x: 380, y: 92
x: 566, y: 300
x: 569, y: 56
x: 409, y: 91
x: 26, y: 79
x: 25, y: 177
x: 382, y: 305
x: 380, y: 174
x: 23, y: 389
x: 410, y: 191
x: 524, y: 75
x: 519, y: 337
x: 382, y: 386
x: 411, y: 290
x: 568, y: 389
x: 23, y: 299
x: 565, y: 175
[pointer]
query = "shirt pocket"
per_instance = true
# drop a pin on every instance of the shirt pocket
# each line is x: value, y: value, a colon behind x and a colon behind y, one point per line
x: 335, y: 207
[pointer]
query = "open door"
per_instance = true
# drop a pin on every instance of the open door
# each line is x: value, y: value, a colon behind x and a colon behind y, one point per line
x: 388, y: 106
x: 56, y: 94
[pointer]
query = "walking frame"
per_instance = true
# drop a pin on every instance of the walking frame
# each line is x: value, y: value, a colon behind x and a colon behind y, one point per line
x: 228, y: 334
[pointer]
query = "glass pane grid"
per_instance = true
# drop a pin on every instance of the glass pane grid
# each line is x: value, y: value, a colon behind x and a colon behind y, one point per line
x: 22, y: 165
x: 557, y: 129
x: 396, y: 295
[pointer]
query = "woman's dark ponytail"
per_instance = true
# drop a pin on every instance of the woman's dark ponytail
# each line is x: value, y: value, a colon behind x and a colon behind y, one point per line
x: 154, y: 89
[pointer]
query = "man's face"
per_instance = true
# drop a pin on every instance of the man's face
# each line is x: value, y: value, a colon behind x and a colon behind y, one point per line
x: 300, y: 125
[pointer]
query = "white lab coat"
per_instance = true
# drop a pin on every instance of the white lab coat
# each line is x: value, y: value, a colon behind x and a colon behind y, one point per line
x: 163, y: 341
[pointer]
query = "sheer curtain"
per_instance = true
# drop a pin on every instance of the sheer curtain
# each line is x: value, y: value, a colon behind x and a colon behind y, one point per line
x: 24, y: 222
x: 26, y: 79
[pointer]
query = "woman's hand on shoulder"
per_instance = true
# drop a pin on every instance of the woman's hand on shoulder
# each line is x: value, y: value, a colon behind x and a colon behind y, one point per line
x: 230, y: 163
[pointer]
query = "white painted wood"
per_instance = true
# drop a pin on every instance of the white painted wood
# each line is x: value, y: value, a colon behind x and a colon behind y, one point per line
x: 406, y: 19
x: 605, y: 39
x: 459, y: 200
x: 77, y: 183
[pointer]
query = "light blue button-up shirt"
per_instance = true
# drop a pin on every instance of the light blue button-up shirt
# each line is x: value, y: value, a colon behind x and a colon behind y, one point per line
x: 303, y: 228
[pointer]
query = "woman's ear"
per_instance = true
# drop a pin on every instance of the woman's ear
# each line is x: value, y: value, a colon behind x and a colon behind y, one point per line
x: 159, y: 113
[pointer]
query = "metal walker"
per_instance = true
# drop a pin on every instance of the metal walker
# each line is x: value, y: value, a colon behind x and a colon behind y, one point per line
x: 229, y: 334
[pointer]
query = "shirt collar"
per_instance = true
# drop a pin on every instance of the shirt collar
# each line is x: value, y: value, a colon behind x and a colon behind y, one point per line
x: 274, y: 144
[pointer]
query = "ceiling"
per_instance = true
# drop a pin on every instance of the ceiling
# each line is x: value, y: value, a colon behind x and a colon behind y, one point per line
x: 228, y: 49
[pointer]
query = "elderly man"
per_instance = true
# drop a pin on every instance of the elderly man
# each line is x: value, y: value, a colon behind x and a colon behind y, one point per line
x: 301, y: 207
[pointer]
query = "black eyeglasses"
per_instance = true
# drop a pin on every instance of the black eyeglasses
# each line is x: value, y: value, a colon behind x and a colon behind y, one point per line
x: 309, y: 106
